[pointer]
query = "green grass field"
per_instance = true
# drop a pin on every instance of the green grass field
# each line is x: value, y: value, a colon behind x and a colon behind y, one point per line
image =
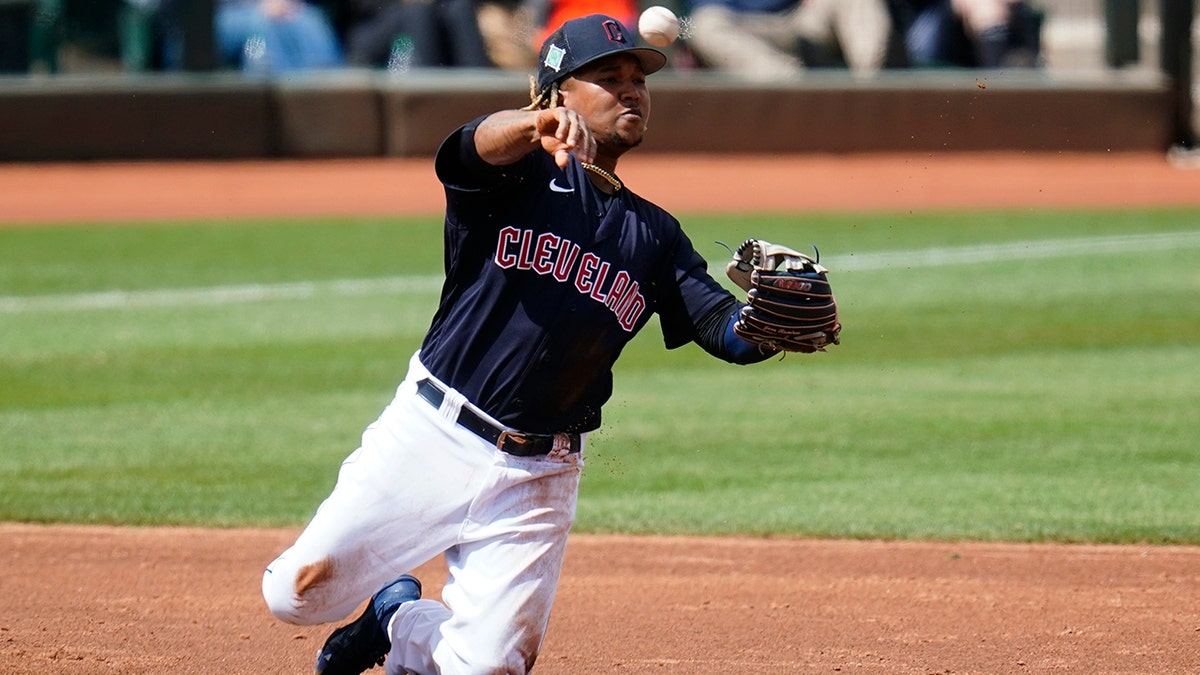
x: 1020, y: 375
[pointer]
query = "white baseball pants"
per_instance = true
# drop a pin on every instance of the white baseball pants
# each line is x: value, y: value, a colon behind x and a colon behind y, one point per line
x: 422, y: 486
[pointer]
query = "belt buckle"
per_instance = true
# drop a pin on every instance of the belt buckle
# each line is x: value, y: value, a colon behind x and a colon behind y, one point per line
x: 507, y: 435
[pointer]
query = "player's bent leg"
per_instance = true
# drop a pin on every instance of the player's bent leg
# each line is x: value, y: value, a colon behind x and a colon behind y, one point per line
x: 331, y: 568
x: 328, y: 571
x: 289, y: 591
x: 502, y: 579
x: 379, y: 521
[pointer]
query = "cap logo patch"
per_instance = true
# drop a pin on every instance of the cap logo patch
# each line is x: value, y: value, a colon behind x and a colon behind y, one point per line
x: 554, y: 57
x: 613, y: 30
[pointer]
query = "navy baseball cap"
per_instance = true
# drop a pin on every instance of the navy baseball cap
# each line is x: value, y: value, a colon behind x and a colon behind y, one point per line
x: 581, y: 41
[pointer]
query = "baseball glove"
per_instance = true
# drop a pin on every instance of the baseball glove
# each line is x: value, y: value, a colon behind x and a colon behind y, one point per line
x: 790, y: 305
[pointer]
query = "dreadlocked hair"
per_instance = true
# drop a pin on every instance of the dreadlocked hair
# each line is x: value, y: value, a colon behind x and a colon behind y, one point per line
x: 541, y: 100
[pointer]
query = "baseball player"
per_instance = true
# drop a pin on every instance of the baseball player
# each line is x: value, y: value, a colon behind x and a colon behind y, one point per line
x: 552, y: 266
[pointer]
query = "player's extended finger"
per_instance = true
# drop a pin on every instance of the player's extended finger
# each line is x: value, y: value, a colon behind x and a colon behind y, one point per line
x: 580, y: 139
x: 568, y: 126
x: 586, y: 150
x: 551, y: 123
x: 565, y: 132
x: 572, y: 129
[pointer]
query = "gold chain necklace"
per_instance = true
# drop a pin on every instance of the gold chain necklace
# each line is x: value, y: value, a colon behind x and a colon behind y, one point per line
x: 612, y: 180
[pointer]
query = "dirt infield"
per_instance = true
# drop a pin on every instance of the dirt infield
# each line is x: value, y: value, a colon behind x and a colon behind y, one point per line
x: 698, y: 183
x: 171, y: 600
x: 113, y: 600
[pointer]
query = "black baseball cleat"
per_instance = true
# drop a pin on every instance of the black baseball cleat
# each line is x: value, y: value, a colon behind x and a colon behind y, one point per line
x: 363, y: 644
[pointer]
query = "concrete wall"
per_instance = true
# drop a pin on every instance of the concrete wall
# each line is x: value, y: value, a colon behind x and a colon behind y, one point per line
x: 361, y: 114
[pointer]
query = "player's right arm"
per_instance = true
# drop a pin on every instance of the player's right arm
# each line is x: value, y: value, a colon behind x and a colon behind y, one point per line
x: 504, y: 137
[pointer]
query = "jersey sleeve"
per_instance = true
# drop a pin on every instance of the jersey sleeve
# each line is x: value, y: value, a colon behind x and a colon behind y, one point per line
x: 690, y: 296
x: 460, y: 168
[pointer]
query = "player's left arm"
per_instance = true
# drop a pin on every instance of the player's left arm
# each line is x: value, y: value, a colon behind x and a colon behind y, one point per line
x: 697, y: 308
x: 715, y: 335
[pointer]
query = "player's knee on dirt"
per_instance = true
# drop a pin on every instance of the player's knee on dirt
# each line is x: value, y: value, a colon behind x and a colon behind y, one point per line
x: 279, y: 597
x: 312, y: 576
x: 286, y: 591
x: 281, y: 600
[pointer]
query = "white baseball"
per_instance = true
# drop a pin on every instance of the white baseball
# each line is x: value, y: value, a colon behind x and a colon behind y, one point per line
x: 658, y: 26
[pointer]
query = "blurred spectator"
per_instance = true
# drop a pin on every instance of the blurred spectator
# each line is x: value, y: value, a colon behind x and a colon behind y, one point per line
x: 275, y: 36
x: 969, y: 33
x: 508, y: 27
x: 550, y: 14
x: 399, y: 34
x: 67, y: 35
x: 260, y: 36
x: 775, y: 40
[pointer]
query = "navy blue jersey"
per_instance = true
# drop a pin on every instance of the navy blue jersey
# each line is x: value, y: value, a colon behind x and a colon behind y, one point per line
x: 547, y: 279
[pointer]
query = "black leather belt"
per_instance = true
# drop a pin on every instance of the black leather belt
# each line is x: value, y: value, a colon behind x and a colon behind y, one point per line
x: 510, y: 441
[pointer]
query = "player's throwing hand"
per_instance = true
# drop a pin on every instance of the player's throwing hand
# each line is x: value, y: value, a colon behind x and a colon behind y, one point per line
x: 564, y: 132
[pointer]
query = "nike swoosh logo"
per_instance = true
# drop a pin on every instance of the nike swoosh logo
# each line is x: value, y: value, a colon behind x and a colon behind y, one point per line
x: 555, y: 187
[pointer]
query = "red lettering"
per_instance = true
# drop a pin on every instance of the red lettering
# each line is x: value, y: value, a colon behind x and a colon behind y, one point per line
x: 601, y: 275
x: 615, y: 294
x: 613, y: 30
x: 551, y: 255
x: 587, y: 270
x: 547, y: 243
x: 629, y: 317
x: 508, y: 237
x: 623, y: 303
x: 526, y: 260
x: 564, y: 262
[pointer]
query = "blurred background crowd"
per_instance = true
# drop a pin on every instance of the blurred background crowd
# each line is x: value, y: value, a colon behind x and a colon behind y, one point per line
x: 767, y: 40
x: 763, y: 40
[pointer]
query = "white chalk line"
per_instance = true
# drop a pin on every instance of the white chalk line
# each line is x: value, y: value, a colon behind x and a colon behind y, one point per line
x: 402, y: 285
x: 219, y: 295
x: 1017, y: 250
